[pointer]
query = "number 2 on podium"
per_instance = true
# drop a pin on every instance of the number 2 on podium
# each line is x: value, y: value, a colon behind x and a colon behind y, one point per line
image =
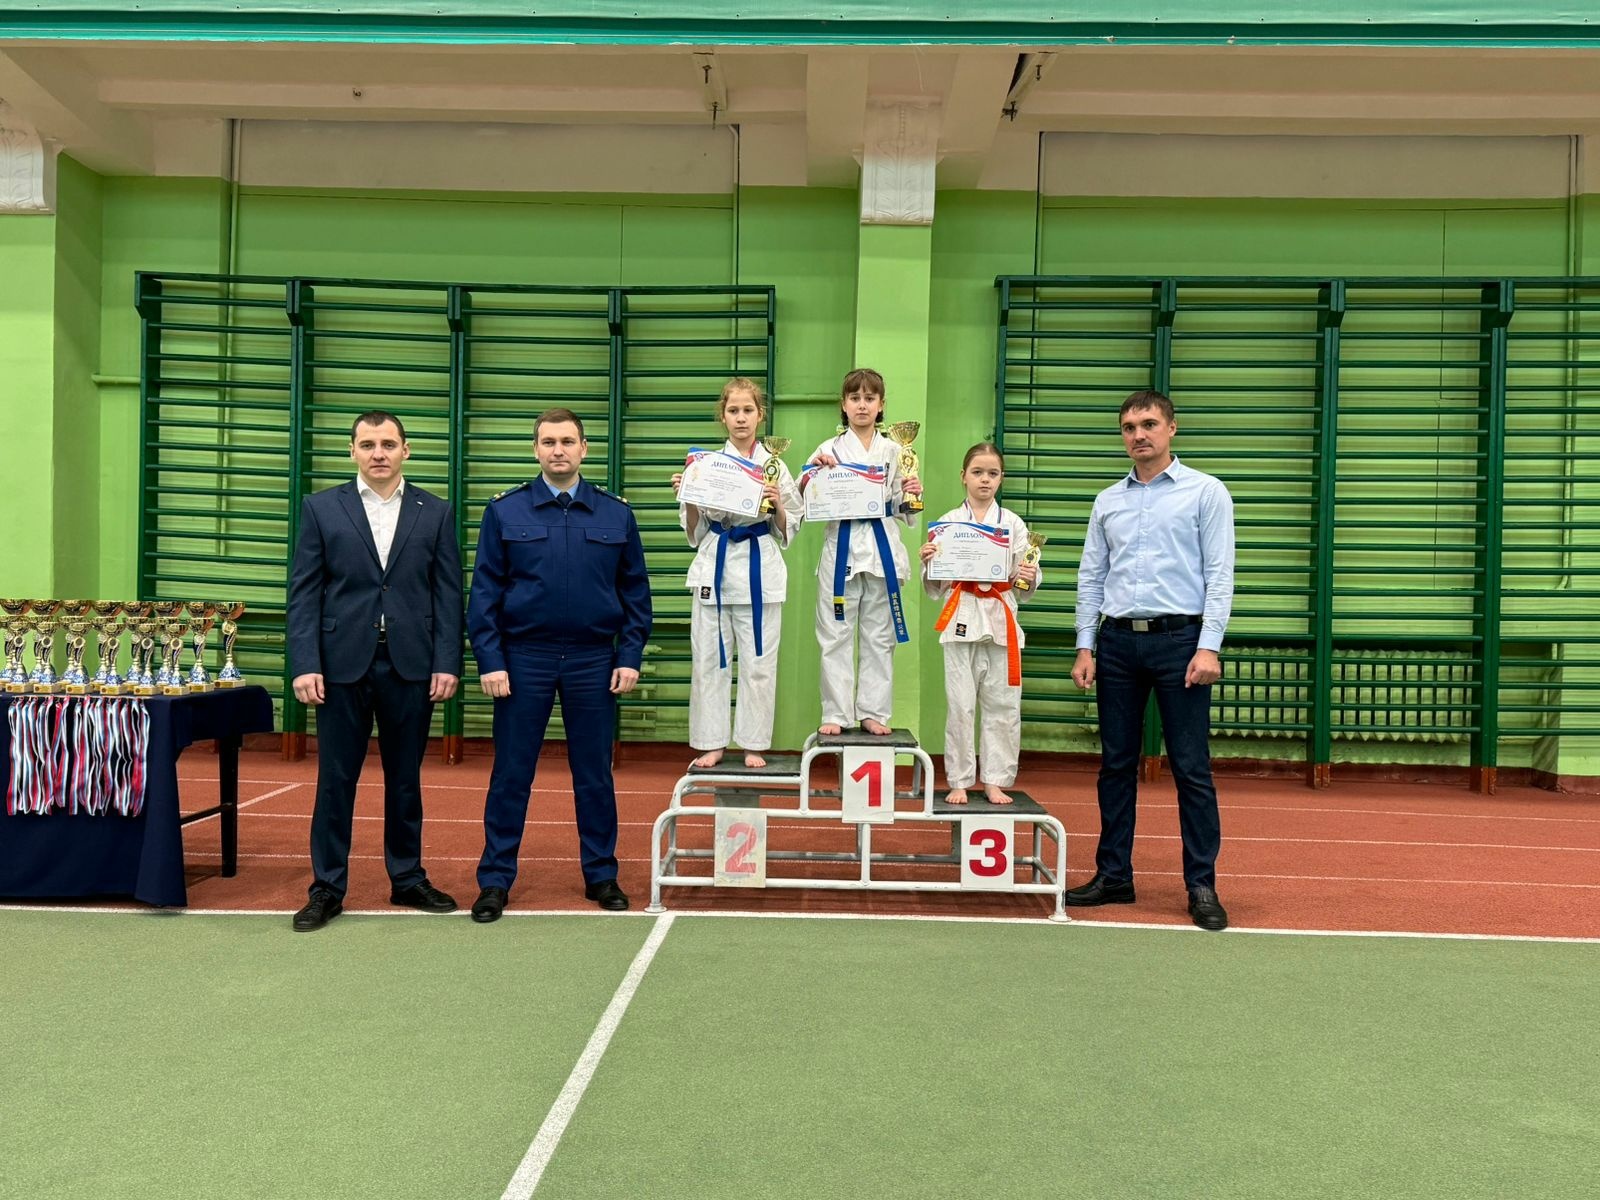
x: 867, y: 794
x: 740, y: 848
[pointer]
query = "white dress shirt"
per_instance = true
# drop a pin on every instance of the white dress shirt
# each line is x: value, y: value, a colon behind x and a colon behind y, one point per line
x: 382, y: 516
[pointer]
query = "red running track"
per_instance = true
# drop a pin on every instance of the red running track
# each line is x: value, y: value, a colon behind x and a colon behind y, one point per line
x: 1386, y: 857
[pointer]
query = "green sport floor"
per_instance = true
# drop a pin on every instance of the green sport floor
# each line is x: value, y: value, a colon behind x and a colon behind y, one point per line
x: 174, y: 1056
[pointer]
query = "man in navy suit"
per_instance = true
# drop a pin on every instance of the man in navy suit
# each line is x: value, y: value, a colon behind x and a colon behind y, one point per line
x: 374, y: 624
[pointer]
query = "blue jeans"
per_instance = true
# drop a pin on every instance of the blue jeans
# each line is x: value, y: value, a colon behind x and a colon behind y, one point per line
x: 1128, y: 666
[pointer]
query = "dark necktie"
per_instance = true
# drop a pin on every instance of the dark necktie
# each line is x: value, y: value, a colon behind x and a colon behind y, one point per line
x: 564, y: 499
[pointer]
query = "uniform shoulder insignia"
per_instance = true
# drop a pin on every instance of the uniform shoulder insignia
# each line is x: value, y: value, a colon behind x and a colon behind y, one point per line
x: 613, y: 495
x: 507, y: 492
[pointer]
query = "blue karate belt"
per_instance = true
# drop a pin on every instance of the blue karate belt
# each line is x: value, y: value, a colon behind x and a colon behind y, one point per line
x: 739, y: 533
x: 891, y: 579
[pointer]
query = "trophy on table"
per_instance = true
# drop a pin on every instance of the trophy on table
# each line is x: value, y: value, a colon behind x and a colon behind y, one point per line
x: 42, y: 680
x: 230, y: 611
x: 108, y: 627
x: 141, y: 617
x: 903, y: 433
x: 1032, y: 554
x: 75, y: 617
x: 170, y: 616
x: 202, y: 616
x: 769, y: 473
x: 14, y: 676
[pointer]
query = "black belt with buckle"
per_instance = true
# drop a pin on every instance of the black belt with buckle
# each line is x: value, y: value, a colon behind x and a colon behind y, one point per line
x: 1152, y: 624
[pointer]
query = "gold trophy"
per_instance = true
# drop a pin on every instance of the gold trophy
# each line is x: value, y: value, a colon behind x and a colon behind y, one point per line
x: 1032, y: 554
x: 769, y: 473
x: 230, y: 611
x: 108, y: 627
x: 75, y: 616
x: 42, y: 681
x: 170, y: 616
x: 142, y: 625
x: 202, y: 616
x: 14, y: 676
x: 903, y: 433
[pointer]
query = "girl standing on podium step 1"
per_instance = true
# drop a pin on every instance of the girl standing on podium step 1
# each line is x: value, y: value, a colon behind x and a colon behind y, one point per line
x: 982, y: 641
x: 859, y: 575
x: 737, y: 583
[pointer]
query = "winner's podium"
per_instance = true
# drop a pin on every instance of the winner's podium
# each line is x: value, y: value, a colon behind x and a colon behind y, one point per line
x: 1017, y: 847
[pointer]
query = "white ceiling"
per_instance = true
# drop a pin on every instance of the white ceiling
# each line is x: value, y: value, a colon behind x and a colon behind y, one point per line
x: 122, y: 107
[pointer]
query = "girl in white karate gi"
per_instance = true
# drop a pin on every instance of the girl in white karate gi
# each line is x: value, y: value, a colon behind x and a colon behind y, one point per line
x: 743, y: 612
x: 982, y: 642
x: 859, y: 591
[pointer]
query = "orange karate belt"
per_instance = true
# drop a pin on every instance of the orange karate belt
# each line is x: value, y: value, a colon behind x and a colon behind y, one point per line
x: 988, y: 591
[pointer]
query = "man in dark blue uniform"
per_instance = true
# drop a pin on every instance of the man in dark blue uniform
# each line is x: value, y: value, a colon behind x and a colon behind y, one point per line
x: 560, y: 606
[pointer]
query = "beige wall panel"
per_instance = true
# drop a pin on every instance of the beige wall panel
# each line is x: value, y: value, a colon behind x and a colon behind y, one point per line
x: 1424, y: 168
x: 468, y: 157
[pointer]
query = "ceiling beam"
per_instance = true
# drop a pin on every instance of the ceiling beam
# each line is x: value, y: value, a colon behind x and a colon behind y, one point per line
x: 61, y: 101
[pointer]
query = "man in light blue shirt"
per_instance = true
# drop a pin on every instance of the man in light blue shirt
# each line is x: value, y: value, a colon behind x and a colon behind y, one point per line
x: 1155, y: 587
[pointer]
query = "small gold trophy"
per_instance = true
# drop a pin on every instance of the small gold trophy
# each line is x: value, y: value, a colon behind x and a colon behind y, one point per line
x: 775, y: 446
x: 75, y: 616
x: 15, y: 676
x: 1032, y: 554
x: 903, y: 433
x: 170, y: 616
x: 230, y: 611
x: 142, y: 625
x: 202, y: 616
x: 42, y: 681
x: 108, y: 627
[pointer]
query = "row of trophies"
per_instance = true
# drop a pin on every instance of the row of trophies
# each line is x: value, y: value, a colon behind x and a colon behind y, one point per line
x: 172, y: 620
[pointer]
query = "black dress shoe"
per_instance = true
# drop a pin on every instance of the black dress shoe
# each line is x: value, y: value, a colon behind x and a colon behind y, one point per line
x: 491, y: 902
x: 1206, y: 909
x: 424, y: 896
x: 607, y: 894
x: 319, y: 910
x: 1101, y: 890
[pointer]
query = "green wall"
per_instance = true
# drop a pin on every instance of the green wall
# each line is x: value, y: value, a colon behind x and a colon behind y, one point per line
x: 66, y: 317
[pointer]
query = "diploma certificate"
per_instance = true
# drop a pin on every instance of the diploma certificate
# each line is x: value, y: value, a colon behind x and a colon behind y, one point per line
x: 847, y: 492
x: 967, y: 550
x: 718, y: 480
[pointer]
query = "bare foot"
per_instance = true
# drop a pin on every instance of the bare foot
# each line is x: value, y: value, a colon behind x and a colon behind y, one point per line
x: 752, y: 759
x: 709, y: 759
x: 875, y: 727
x: 829, y: 729
x: 994, y: 795
x: 956, y: 796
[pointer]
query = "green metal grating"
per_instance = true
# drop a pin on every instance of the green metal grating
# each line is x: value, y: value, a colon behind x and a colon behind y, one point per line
x: 1417, y: 487
x: 249, y: 385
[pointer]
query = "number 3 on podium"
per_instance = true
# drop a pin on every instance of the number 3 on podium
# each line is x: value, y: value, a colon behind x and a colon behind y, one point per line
x: 867, y: 785
x: 988, y: 860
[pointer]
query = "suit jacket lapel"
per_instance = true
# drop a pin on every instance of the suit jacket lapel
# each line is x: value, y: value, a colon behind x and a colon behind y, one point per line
x: 405, y: 522
x: 357, y: 513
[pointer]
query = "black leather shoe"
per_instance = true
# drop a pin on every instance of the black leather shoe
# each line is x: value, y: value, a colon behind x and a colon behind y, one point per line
x: 491, y: 902
x: 319, y: 910
x: 607, y: 894
x: 1206, y: 909
x: 1101, y: 890
x: 424, y: 896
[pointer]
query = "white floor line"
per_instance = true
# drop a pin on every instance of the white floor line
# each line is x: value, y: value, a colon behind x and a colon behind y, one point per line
x: 1077, y: 922
x: 288, y: 787
x: 544, y: 1144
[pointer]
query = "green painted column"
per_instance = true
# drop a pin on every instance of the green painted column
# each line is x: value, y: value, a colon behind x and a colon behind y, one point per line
x: 49, y: 347
x: 893, y: 282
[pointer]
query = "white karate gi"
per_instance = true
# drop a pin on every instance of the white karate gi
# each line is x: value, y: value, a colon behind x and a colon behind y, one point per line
x: 710, y: 681
x: 975, y: 675
x: 866, y: 599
